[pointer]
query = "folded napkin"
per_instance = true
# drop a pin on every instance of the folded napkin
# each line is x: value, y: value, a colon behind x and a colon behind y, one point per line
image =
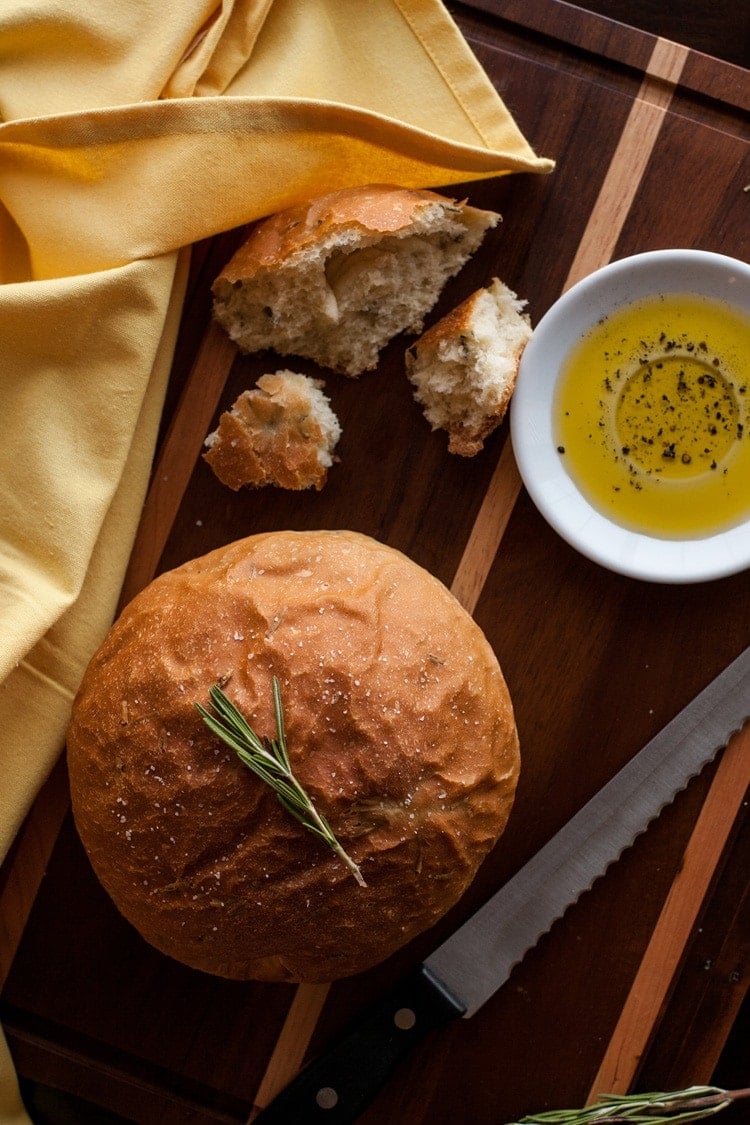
x: 128, y: 132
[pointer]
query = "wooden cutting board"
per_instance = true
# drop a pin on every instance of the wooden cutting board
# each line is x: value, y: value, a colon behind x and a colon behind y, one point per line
x: 652, y: 151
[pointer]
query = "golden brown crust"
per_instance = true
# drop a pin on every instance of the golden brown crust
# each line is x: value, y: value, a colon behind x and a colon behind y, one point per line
x: 456, y: 322
x: 270, y: 436
x: 467, y: 444
x: 399, y: 724
x: 379, y: 208
x: 336, y: 278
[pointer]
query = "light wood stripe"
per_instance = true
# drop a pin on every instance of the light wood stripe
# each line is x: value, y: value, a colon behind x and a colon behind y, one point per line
x: 30, y: 857
x: 291, y: 1045
x: 678, y: 917
x: 180, y: 451
x: 629, y: 160
x: 596, y: 248
x: 488, y: 530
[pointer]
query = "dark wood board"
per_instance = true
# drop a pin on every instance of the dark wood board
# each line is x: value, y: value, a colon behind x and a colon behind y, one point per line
x: 596, y: 663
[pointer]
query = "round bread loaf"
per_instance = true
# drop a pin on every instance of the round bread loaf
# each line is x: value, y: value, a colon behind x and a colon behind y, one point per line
x: 399, y: 725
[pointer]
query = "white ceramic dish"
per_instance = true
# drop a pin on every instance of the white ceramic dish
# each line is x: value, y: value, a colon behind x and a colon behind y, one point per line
x: 542, y: 470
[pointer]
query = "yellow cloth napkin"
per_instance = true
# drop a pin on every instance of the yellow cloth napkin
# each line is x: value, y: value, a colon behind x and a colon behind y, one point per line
x: 127, y: 132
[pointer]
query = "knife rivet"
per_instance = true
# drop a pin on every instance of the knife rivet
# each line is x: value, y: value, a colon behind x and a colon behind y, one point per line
x: 326, y: 1097
x: 405, y: 1019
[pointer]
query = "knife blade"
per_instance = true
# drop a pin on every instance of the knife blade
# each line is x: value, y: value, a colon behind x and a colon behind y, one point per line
x: 470, y: 966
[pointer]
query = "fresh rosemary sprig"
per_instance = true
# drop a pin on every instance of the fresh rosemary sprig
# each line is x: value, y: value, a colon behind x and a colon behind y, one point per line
x: 269, y: 760
x: 693, y: 1104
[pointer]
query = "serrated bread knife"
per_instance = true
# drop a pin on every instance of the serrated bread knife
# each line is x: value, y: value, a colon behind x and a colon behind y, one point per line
x: 468, y: 968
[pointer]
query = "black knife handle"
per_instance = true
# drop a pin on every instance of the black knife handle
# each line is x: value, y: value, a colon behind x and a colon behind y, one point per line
x: 337, y: 1087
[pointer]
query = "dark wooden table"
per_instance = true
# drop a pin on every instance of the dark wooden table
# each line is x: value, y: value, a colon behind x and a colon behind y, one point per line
x: 596, y: 663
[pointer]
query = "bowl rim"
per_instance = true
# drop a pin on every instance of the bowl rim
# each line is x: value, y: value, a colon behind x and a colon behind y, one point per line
x: 553, y: 492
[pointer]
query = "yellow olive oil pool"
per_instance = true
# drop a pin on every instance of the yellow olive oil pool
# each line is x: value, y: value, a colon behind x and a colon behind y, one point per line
x: 651, y: 416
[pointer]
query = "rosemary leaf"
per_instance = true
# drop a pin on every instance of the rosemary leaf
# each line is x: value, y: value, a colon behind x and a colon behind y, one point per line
x: 279, y: 714
x: 692, y: 1104
x: 269, y: 760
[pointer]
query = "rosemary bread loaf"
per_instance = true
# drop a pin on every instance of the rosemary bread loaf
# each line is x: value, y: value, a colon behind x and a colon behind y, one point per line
x: 464, y: 367
x: 282, y: 432
x: 336, y: 278
x: 398, y: 724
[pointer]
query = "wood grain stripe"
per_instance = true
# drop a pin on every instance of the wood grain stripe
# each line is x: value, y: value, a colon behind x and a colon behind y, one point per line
x: 180, y: 450
x: 597, y: 245
x: 488, y: 530
x: 629, y: 161
x: 289, y: 1052
x: 679, y: 915
x: 596, y: 248
x: 27, y: 861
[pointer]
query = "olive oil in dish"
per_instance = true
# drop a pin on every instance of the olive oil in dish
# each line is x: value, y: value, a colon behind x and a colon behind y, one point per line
x: 651, y: 416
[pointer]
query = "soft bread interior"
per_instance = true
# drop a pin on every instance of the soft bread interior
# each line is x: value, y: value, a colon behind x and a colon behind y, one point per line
x: 340, y: 300
x: 464, y: 369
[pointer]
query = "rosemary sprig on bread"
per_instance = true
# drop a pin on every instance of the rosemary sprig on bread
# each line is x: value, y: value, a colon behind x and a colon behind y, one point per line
x: 268, y: 758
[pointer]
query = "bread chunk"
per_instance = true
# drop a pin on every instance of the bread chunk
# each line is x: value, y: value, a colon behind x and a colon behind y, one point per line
x: 464, y: 368
x: 283, y: 433
x: 398, y: 723
x: 335, y: 279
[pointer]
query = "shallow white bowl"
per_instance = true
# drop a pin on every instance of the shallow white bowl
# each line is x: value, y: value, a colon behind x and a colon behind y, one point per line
x: 713, y: 276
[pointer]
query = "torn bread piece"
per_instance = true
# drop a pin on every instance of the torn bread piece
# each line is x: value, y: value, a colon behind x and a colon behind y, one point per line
x: 464, y: 367
x: 283, y: 432
x: 335, y: 279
